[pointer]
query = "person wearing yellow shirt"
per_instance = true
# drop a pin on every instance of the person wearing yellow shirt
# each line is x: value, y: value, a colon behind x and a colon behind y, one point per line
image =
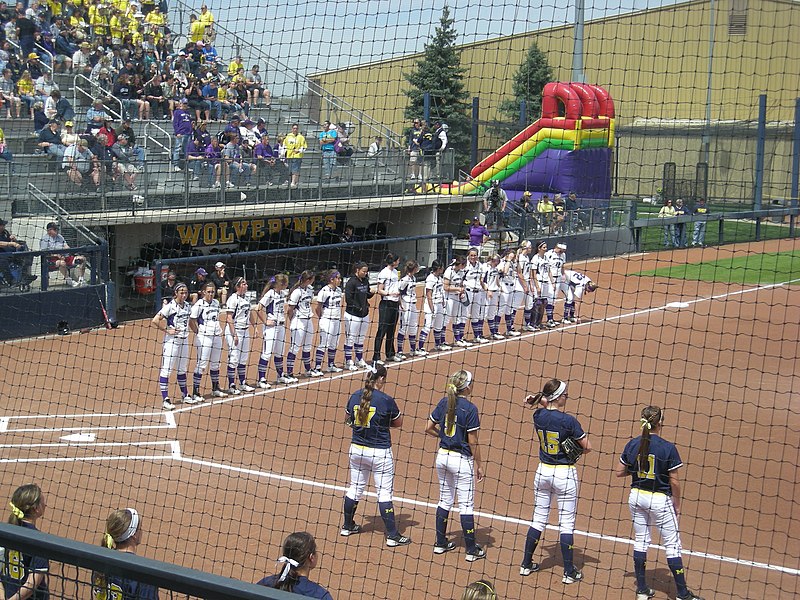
x: 155, y: 17
x: 206, y: 18
x: 117, y: 26
x: 25, y: 90
x: 546, y: 211
x: 235, y: 66
x: 295, y: 145
x: 196, y: 29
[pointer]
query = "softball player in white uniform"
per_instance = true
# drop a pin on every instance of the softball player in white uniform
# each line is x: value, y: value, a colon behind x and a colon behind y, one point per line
x: 372, y: 414
x: 575, y: 285
x: 409, y: 313
x: 329, y: 312
x: 491, y: 280
x: 476, y: 294
x: 455, y: 422
x: 433, y: 307
x: 356, y: 316
x: 508, y: 281
x: 655, y: 499
x: 175, y: 318
x: 301, y: 327
x: 455, y: 311
x: 556, y: 476
x: 270, y: 310
x: 204, y: 323
x: 523, y: 294
x: 555, y: 259
x: 238, y: 337
x: 540, y: 275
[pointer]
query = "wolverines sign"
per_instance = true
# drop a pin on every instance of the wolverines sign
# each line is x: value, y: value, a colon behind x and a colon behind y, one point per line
x: 220, y: 233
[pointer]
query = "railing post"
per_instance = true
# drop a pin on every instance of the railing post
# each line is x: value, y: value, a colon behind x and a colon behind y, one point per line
x: 758, y: 190
x: 474, y: 141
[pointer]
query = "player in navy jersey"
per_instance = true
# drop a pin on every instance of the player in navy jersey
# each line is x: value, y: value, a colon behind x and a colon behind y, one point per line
x: 299, y: 557
x: 23, y: 574
x: 124, y: 533
x: 455, y: 422
x: 655, y: 499
x: 204, y: 323
x: 175, y: 355
x: 372, y: 413
x: 556, y: 476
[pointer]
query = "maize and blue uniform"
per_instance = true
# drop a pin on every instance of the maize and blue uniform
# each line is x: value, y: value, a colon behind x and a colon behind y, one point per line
x: 120, y: 588
x: 455, y: 468
x: 303, y: 587
x: 17, y: 567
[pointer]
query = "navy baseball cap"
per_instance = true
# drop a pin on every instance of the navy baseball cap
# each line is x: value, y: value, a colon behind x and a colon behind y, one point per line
x: 201, y: 271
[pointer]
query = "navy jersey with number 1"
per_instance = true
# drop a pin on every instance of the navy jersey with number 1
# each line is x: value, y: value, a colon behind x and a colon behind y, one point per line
x: 663, y: 458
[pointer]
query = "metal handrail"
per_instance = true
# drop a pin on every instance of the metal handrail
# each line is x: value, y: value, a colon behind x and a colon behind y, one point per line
x: 52, y: 64
x: 62, y: 214
x: 147, y: 136
x: 92, y: 88
x: 14, y: 44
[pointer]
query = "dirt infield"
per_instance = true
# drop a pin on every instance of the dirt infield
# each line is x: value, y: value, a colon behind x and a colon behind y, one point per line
x: 220, y: 485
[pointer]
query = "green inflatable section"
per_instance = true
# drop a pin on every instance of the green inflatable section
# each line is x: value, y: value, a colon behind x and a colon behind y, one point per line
x: 531, y: 154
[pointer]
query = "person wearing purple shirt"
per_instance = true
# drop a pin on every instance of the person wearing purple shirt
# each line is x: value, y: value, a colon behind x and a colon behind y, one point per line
x: 478, y: 234
x: 214, y: 160
x: 267, y: 159
x: 182, y: 128
x: 195, y: 155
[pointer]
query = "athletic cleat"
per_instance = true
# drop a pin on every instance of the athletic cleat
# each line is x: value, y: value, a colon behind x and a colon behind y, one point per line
x: 551, y: 323
x: 526, y: 570
x: 420, y: 352
x: 314, y: 373
x: 572, y: 577
x: 334, y: 369
x: 287, y: 379
x: 476, y: 553
x: 481, y: 340
x: 689, y: 596
x: 196, y: 399
x: 264, y: 384
x: 187, y: 399
x: 346, y: 531
x: 398, y: 357
x: 397, y: 540
x: 218, y: 393
x: 351, y: 366
x: 233, y: 391
x: 446, y: 548
x: 247, y: 388
x: 167, y: 405
x: 445, y: 347
x: 498, y: 336
x: 361, y: 364
x: 646, y: 594
x: 566, y: 321
x: 528, y: 328
x: 512, y: 333
x: 462, y: 343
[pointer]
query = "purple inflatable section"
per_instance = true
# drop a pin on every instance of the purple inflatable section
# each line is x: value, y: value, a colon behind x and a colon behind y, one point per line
x: 585, y: 172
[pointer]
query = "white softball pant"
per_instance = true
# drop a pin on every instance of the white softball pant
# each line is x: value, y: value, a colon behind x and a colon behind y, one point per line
x: 654, y: 509
x: 574, y: 293
x: 239, y: 352
x: 274, y: 341
x: 409, y: 321
x: 550, y: 291
x: 507, y: 303
x: 355, y: 329
x: 456, y: 480
x: 379, y: 463
x: 209, y: 351
x: 302, y: 334
x: 492, y: 305
x: 329, y: 330
x: 559, y: 482
x: 175, y: 355
x: 456, y: 311
x: 434, y: 320
x: 477, y: 304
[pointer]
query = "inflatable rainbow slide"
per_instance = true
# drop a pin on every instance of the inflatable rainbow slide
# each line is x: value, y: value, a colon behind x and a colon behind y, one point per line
x: 569, y: 153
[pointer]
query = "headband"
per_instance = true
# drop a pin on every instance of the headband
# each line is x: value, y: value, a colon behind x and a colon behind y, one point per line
x: 15, y: 511
x: 542, y: 244
x: 487, y: 586
x: 561, y: 246
x: 562, y: 387
x: 131, y: 528
x: 468, y: 381
x: 181, y: 286
x: 334, y: 275
x: 288, y: 565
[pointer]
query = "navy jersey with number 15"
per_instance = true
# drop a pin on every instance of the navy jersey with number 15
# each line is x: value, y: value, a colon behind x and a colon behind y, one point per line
x: 552, y: 428
x: 374, y: 433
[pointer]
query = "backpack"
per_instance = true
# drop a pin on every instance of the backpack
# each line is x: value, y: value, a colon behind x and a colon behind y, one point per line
x: 437, y: 142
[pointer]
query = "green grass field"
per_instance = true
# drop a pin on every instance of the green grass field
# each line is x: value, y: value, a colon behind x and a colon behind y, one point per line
x: 757, y: 269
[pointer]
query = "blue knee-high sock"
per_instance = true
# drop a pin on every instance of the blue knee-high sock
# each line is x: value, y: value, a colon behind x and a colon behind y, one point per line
x: 569, y: 310
x: 350, y: 506
x: 412, y: 342
x: 278, y: 360
x: 197, y: 378
x: 231, y: 376
x: 331, y: 357
x: 359, y: 350
x: 423, y: 335
x: 163, y: 385
x: 527, y: 315
x: 214, y: 379
x: 477, y: 328
x: 567, y: 544
x: 438, y: 337
x: 348, y: 353
x: 510, y: 320
x: 549, y: 310
x: 442, y: 514
x: 531, y: 541
x: 290, y: 358
x: 387, y: 514
x: 401, y: 341
x: 640, y: 569
x: 262, y: 368
x: 182, y: 383
x: 319, y: 356
x: 679, y: 573
x: 468, y: 525
x: 494, y: 325
x: 306, y: 360
x: 242, y: 369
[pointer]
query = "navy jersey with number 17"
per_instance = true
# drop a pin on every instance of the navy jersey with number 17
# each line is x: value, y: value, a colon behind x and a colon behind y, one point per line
x: 454, y: 438
x: 663, y: 458
x: 374, y: 433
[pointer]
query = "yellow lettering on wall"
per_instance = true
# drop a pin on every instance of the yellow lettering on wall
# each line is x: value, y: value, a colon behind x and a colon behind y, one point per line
x: 330, y: 221
x: 316, y: 224
x: 189, y: 234
x: 225, y: 235
x: 273, y: 225
x: 300, y: 224
x: 258, y: 228
x: 210, y: 234
x: 240, y: 228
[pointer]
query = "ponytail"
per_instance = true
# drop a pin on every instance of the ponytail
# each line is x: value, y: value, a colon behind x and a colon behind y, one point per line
x: 651, y: 417
x: 362, y: 413
x: 23, y: 501
x: 304, y: 277
x: 297, y: 548
x: 551, y: 392
x: 459, y: 381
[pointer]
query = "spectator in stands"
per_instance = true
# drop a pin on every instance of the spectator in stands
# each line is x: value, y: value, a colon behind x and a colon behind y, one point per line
x: 125, y: 162
x: 699, y: 233
x: 201, y: 135
x: 40, y: 120
x: 232, y: 98
x: 214, y: 161
x: 197, y: 283
x: 8, y: 242
x: 109, y: 132
x: 196, y: 29
x: 95, y: 116
x: 220, y: 279
x: 235, y: 67
x: 8, y: 95
x: 62, y: 263
x: 25, y: 30
x: 168, y: 287
x: 123, y: 532
x: 206, y: 17
x: 495, y: 202
x: 16, y: 67
x: 196, y: 101
x: 427, y: 144
x: 248, y: 133
x: 26, y: 91
x: 127, y: 131
x: 129, y: 96
x: 298, y: 557
x: 5, y: 153
x: 34, y: 66
x: 57, y: 107
x: 264, y: 156
x: 80, y: 163
x: 545, y: 209
x: 680, y: 228
x: 50, y: 141
x: 98, y: 146
x: 28, y: 578
x: 255, y: 88
x: 182, y: 128
x: 295, y: 144
x: 559, y: 214
x: 327, y: 140
x: 233, y: 165
x: 195, y: 157
x: 668, y: 211
x: 478, y: 234
x: 43, y: 85
x: 211, y: 95
x: 154, y: 95
x: 81, y: 60
x: 68, y: 136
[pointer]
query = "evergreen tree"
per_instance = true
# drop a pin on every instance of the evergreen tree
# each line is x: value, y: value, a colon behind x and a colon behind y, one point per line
x: 440, y: 73
x: 529, y: 81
